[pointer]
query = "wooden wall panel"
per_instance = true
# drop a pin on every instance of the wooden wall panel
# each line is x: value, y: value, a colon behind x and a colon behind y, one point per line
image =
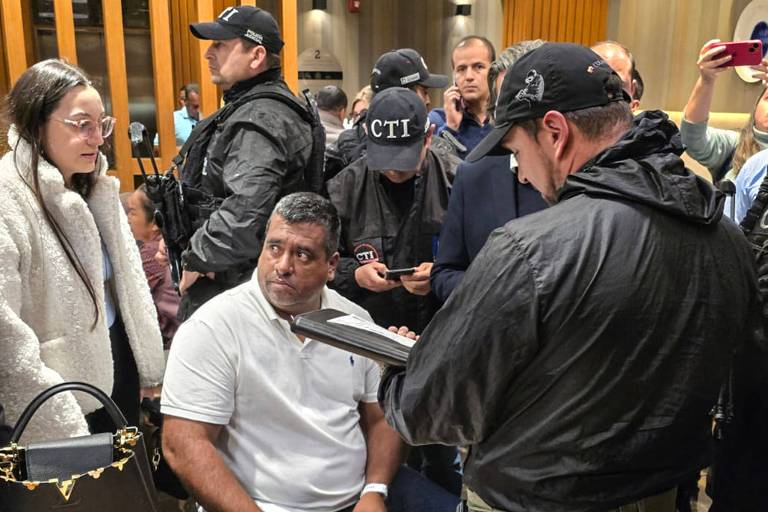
x: 665, y: 38
x: 209, y: 99
x: 5, y: 82
x: 165, y: 91
x: 114, y: 42
x: 574, y: 21
x: 290, y: 33
x: 65, y: 29
x: 15, y: 58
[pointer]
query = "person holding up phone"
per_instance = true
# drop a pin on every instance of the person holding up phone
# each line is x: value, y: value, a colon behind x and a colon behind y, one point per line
x: 464, y: 116
x: 723, y: 152
x: 391, y: 204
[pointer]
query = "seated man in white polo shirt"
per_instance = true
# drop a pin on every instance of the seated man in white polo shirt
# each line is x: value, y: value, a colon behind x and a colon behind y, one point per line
x: 257, y: 418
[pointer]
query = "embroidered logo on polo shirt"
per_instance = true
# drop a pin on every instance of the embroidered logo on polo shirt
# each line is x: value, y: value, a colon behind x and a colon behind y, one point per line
x: 365, y: 253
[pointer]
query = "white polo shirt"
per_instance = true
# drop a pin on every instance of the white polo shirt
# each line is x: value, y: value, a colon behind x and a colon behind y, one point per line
x: 290, y: 410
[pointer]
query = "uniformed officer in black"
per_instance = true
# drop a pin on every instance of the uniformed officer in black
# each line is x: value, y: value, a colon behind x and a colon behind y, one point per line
x: 248, y: 160
x: 397, y: 68
x: 391, y: 204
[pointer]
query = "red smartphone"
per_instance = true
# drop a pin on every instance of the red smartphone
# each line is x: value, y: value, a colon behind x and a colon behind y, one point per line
x: 743, y: 53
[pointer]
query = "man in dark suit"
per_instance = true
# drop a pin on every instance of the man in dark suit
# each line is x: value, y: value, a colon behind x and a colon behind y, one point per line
x: 486, y: 195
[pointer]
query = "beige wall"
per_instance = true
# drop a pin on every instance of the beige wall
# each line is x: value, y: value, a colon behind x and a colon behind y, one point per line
x: 665, y: 37
x: 429, y: 26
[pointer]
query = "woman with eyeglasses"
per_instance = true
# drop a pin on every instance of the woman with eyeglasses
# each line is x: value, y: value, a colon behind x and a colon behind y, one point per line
x: 74, y: 303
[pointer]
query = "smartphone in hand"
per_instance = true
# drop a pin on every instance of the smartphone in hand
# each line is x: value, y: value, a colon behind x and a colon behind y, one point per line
x: 459, y: 103
x: 743, y: 53
x: 395, y: 273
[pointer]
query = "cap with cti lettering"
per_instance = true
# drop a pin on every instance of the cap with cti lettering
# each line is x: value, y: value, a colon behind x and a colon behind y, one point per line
x: 397, y: 125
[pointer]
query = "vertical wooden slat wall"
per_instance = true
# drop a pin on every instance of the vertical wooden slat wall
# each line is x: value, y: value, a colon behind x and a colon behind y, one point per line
x: 171, y: 43
x: 159, y: 22
x: 13, y: 30
x: 289, y: 22
x: 574, y: 21
x: 209, y: 99
x: 114, y: 43
x: 3, y: 67
x: 65, y: 30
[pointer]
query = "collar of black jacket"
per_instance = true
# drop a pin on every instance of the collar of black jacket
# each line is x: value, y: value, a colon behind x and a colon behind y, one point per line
x: 244, y: 86
x: 645, y: 167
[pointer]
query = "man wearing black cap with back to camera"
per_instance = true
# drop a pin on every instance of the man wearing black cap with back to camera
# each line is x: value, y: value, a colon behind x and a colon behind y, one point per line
x: 585, y: 346
x: 253, y: 151
x: 391, y: 204
x: 398, y: 68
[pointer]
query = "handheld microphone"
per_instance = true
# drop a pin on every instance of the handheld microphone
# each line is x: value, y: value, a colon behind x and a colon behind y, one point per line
x: 136, y: 132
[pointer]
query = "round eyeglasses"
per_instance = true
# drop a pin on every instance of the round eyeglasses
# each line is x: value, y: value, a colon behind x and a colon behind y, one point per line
x: 87, y: 127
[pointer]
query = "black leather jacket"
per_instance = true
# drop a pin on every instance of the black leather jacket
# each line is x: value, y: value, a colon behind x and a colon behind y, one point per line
x: 255, y: 157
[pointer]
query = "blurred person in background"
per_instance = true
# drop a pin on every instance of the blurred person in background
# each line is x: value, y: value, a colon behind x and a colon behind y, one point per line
x: 332, y: 107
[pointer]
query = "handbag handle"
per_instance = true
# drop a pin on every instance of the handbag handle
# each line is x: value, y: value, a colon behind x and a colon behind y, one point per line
x: 109, y: 405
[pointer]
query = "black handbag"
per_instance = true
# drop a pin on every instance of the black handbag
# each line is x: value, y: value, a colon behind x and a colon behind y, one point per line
x: 96, y: 473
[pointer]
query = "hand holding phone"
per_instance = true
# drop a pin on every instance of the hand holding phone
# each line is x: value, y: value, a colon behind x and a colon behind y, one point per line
x: 454, y: 107
x: 742, y: 53
x: 458, y: 103
x: 395, y: 273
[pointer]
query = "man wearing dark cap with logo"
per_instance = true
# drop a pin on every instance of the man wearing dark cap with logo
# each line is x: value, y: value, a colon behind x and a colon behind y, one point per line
x: 399, y: 68
x: 247, y: 155
x: 585, y: 346
x: 391, y: 203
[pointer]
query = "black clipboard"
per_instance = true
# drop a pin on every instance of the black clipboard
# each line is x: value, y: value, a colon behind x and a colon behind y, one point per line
x: 375, y: 346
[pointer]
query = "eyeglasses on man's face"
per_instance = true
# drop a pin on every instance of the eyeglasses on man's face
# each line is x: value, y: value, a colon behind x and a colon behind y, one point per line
x: 87, y: 128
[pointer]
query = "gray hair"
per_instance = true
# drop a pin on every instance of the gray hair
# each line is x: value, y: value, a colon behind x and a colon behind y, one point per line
x: 311, y: 208
x: 191, y: 87
x: 506, y: 60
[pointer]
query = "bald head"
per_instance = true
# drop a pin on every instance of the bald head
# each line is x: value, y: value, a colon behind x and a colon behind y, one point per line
x: 621, y: 61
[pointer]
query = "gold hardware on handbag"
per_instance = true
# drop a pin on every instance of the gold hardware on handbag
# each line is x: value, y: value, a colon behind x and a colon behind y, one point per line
x: 84, y: 474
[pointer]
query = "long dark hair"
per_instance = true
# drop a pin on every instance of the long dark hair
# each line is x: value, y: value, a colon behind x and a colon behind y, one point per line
x: 29, y: 105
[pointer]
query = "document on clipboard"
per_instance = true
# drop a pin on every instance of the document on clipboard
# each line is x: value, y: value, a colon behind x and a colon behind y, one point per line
x: 353, y: 334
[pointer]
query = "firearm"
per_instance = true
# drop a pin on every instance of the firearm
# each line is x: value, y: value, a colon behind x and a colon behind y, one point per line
x: 167, y: 198
x: 722, y: 412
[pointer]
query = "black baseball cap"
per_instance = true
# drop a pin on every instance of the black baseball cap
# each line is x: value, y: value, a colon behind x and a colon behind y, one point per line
x: 397, y: 125
x: 556, y: 76
x: 401, y: 68
x: 251, y: 23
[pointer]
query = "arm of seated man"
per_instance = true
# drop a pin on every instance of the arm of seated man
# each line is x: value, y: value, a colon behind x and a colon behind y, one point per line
x: 188, y: 446
x: 384, y: 455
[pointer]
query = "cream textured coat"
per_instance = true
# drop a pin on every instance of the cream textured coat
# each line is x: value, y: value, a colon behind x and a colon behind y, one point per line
x: 46, y: 313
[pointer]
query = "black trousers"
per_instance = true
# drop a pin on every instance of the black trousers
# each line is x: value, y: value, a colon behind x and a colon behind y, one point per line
x: 126, y: 389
